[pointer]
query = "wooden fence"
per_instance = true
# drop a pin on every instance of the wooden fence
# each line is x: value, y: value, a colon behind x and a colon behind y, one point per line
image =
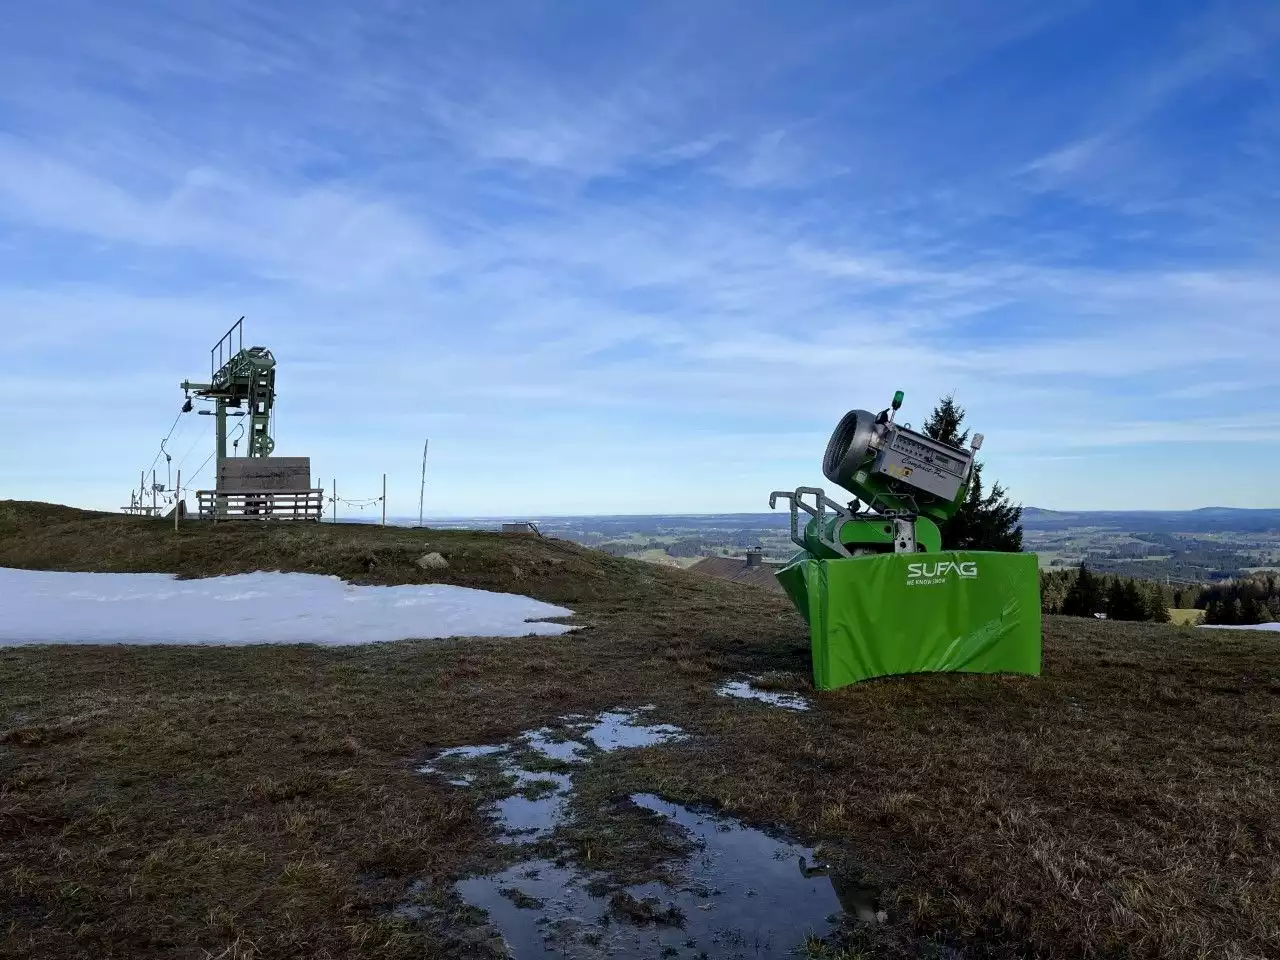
x: 261, y: 504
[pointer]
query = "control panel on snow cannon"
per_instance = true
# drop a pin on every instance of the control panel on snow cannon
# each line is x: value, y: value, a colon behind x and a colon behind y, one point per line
x: 874, y: 606
x: 893, y: 468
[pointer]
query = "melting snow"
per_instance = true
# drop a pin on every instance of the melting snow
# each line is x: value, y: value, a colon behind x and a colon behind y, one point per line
x: 521, y: 815
x: 737, y: 893
x: 745, y: 691
x: 1232, y: 626
x: 41, y: 606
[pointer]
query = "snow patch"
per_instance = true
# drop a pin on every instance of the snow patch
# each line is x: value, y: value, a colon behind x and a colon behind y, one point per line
x: 1274, y: 626
x: 521, y: 816
x: 42, y: 606
x: 745, y: 691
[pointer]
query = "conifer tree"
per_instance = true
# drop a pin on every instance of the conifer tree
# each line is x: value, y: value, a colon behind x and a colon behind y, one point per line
x: 987, y: 520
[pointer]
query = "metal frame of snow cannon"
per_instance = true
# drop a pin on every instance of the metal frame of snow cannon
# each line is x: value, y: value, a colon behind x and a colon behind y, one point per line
x: 874, y: 604
x: 825, y: 534
x: 909, y: 483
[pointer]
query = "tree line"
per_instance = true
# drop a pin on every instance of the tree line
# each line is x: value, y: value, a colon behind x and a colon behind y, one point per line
x: 1083, y: 593
x: 1254, y: 599
x: 989, y: 520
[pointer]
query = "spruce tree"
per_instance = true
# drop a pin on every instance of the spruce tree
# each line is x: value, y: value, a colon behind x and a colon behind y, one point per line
x: 1115, y: 600
x: 1135, y: 607
x: 987, y: 520
x: 1157, y: 604
x: 1084, y: 597
x: 1251, y: 606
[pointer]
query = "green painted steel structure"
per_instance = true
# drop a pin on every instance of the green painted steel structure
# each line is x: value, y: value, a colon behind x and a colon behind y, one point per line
x: 239, y: 377
x: 879, y: 594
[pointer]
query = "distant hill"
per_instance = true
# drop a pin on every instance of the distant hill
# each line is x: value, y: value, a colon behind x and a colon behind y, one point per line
x: 1202, y: 520
x: 1206, y: 545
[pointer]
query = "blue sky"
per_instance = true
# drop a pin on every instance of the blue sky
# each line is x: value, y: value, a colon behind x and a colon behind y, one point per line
x: 641, y: 257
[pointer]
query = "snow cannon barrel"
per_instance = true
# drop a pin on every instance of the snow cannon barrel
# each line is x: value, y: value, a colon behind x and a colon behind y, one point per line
x: 896, y: 470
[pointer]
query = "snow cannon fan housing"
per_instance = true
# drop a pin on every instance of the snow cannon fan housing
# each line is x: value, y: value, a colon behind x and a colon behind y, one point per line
x: 895, y: 469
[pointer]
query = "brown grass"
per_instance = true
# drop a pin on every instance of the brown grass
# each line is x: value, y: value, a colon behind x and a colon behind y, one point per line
x: 261, y: 802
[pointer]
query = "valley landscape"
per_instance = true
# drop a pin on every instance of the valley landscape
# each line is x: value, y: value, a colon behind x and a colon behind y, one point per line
x: 401, y: 799
x: 1205, y: 545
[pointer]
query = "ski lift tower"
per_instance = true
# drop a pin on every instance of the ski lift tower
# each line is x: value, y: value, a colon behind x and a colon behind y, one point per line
x: 238, y: 377
x: 242, y: 383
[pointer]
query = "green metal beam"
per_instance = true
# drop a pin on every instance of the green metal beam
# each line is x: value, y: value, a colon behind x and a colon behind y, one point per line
x: 244, y: 378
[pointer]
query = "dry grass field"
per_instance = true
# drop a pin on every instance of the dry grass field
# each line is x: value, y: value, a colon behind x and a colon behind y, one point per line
x: 263, y: 801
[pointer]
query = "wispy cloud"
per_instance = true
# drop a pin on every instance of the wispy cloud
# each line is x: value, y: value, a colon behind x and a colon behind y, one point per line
x: 1133, y: 148
x: 324, y: 235
x: 650, y: 275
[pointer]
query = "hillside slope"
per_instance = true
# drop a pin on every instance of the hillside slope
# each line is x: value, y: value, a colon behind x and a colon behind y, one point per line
x: 52, y: 537
x: 264, y: 801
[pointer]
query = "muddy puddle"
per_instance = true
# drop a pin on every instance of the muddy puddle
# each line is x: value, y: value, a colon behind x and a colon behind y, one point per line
x: 741, y: 893
x: 718, y: 888
x: 533, y: 765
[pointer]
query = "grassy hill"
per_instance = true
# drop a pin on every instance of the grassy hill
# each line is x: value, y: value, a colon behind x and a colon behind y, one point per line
x: 263, y: 802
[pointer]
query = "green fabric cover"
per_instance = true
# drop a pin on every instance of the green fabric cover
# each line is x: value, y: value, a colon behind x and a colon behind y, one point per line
x: 917, y: 612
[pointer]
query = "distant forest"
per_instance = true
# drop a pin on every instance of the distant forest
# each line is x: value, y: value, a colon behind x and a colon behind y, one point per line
x: 1150, y: 555
x: 1254, y: 599
x: 1080, y: 592
x: 1083, y: 593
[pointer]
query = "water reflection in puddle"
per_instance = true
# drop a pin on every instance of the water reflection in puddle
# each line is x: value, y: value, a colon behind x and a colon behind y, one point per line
x: 538, y: 804
x: 611, y: 730
x: 743, y: 690
x: 741, y: 893
x: 616, y: 729
x: 570, y: 751
x: 535, y: 812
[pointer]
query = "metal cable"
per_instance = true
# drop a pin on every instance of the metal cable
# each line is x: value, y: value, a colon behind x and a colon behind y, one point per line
x: 166, y: 438
x: 164, y: 441
x: 200, y: 469
x: 194, y: 443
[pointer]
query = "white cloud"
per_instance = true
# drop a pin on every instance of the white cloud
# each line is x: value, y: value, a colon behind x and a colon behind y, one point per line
x: 322, y: 236
x: 1127, y: 151
x: 626, y: 274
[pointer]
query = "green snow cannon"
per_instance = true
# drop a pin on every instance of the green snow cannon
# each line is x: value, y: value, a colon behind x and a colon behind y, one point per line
x: 880, y: 595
